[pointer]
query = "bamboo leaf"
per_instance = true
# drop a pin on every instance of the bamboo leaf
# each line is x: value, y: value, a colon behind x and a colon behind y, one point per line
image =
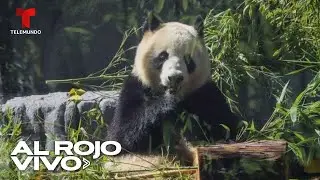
x: 189, y: 124
x: 77, y: 30
x: 75, y: 98
x: 298, y: 71
x: 250, y: 12
x: 159, y: 6
x: 299, y: 136
x: 80, y: 92
x: 293, y: 113
x: 167, y: 132
x: 276, y: 53
x: 296, y: 150
x: 227, y: 130
x: 72, y: 92
x: 284, y: 90
x: 185, y: 4
x: 252, y: 127
x: 245, y: 9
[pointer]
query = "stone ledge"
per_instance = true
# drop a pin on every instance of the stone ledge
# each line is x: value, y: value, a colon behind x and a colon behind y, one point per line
x: 48, y: 117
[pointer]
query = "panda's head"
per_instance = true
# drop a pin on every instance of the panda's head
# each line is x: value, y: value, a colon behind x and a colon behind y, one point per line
x: 171, y: 57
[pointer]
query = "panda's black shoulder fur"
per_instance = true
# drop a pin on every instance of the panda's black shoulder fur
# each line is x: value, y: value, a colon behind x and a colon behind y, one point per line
x: 211, y: 107
x: 137, y: 116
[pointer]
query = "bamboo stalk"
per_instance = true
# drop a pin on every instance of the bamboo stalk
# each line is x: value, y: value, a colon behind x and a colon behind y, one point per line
x: 164, y: 169
x: 76, y: 80
x: 159, y: 173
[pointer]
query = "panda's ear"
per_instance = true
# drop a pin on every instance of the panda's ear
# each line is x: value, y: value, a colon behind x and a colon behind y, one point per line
x: 199, y: 26
x: 151, y: 23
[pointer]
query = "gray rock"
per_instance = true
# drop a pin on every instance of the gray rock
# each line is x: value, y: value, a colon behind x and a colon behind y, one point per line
x: 49, y: 117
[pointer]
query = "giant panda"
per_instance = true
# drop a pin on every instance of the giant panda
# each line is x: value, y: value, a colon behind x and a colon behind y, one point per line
x: 171, y: 73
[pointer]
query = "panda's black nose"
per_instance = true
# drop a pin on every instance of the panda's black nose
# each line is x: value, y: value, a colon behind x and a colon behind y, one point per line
x: 175, y: 79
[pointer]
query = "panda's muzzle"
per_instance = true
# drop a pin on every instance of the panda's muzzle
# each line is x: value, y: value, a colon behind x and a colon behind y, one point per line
x: 175, y: 82
x: 175, y: 79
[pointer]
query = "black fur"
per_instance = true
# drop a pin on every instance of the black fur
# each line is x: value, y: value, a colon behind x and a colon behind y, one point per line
x: 199, y: 26
x: 191, y: 66
x: 131, y: 127
x: 151, y: 23
x: 210, y: 105
x: 159, y: 60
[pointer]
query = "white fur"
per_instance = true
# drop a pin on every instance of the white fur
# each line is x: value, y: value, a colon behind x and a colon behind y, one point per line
x: 172, y: 67
x: 178, y: 40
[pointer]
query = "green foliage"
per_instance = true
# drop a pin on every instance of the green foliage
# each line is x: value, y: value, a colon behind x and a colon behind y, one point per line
x: 241, y: 168
x: 75, y: 95
x: 298, y: 123
x: 253, y: 43
x: 11, y: 134
x: 263, y: 43
x: 270, y: 42
x: 93, y: 124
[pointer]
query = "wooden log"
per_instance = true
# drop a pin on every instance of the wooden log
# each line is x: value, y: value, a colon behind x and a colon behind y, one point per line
x: 159, y: 174
x: 247, y: 160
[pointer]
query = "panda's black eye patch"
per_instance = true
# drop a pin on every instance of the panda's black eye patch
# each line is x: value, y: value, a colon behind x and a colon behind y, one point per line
x: 191, y: 66
x: 159, y: 60
x: 163, y: 56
